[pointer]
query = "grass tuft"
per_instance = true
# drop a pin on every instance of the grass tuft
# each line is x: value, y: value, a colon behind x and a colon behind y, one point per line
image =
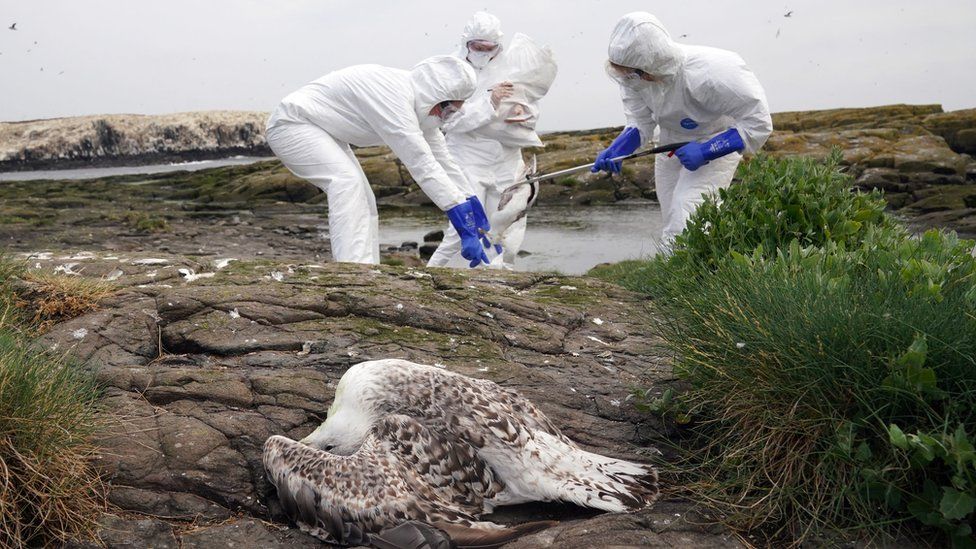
x: 52, y: 298
x: 49, y: 492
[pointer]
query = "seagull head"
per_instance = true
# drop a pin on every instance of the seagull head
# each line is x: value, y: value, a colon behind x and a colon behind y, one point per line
x: 350, y: 420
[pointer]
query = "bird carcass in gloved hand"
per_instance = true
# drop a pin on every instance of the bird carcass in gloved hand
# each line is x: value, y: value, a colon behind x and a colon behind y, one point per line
x: 514, y: 202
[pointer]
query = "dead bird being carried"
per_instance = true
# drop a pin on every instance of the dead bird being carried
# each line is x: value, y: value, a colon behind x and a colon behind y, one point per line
x: 408, y: 443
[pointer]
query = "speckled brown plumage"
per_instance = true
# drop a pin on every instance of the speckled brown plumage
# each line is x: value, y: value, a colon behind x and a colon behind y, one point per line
x: 429, y: 445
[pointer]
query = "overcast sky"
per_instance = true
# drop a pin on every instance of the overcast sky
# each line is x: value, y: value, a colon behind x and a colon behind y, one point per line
x: 71, y: 57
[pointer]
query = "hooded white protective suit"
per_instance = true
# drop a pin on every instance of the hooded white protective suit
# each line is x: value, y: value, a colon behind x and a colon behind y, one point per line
x: 489, y: 165
x: 698, y: 93
x: 365, y: 105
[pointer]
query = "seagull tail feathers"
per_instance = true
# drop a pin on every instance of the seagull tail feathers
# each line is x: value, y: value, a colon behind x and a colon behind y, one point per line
x: 612, y: 484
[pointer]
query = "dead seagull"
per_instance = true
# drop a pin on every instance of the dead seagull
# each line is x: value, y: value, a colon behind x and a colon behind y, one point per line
x: 403, y: 480
x: 13, y: 27
x: 422, y: 443
x: 409, y: 442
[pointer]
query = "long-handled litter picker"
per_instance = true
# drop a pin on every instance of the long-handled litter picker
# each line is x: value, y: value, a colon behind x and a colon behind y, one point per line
x: 656, y: 150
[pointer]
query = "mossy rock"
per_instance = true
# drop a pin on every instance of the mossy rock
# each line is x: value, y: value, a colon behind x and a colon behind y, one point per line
x: 593, y: 198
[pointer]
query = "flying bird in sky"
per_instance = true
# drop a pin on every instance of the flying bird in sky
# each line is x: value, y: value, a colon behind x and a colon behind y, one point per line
x: 13, y: 27
x: 789, y: 13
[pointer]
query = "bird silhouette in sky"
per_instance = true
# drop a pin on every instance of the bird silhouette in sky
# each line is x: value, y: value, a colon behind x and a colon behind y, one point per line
x: 13, y: 27
x: 683, y: 36
x: 789, y: 13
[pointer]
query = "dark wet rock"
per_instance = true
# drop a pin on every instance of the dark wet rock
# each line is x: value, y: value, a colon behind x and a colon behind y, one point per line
x: 427, y: 250
x: 666, y: 524
x: 434, y: 236
x: 248, y: 533
x: 119, y: 532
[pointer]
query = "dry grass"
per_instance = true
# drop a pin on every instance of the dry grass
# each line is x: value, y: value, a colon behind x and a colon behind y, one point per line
x: 46, y: 500
x: 49, y: 492
x: 52, y: 298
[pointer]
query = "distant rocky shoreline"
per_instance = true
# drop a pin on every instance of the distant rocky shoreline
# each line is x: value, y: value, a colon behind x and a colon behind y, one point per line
x: 133, y: 140
x: 130, y: 140
x: 145, y: 159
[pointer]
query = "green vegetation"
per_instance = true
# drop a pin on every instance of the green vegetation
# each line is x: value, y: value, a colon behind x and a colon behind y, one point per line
x: 145, y: 223
x: 48, y: 490
x: 831, y: 359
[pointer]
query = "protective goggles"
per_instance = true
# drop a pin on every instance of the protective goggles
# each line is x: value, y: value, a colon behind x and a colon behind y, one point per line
x: 485, y: 46
x: 448, y: 109
x: 623, y: 74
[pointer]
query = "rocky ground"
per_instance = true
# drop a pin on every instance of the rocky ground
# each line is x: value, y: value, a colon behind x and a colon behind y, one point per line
x: 202, y: 359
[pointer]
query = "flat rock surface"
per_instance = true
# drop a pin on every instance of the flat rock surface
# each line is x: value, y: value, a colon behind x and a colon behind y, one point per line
x: 200, y: 367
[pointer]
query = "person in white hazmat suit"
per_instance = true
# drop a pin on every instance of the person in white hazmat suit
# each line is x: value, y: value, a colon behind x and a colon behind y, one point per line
x: 490, y: 166
x: 312, y: 129
x: 707, y: 96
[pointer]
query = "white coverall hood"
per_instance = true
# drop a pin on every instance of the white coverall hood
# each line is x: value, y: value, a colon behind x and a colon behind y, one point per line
x: 441, y: 78
x: 482, y: 26
x: 640, y: 41
x: 698, y: 93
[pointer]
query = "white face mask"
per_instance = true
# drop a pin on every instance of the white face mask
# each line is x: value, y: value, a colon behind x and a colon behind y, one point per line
x: 431, y: 121
x: 480, y: 59
x: 449, y: 112
x: 628, y: 79
x: 637, y: 83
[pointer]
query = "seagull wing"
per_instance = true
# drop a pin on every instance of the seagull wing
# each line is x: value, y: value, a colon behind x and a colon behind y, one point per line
x: 473, y: 409
x: 402, y: 472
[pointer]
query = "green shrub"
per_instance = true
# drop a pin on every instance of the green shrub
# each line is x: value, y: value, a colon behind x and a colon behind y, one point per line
x: 805, y: 361
x: 778, y: 202
x: 831, y: 358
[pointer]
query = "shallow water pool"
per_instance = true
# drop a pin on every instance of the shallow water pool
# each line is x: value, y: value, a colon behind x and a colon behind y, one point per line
x: 570, y: 240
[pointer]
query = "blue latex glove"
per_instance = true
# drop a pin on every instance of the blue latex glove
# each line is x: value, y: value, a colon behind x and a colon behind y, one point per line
x: 625, y: 143
x: 464, y: 220
x: 695, y: 155
x: 480, y: 219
